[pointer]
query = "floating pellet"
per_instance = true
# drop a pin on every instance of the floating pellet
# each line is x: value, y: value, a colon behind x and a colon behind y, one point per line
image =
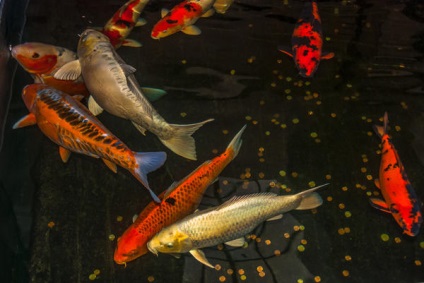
x: 150, y: 279
x: 345, y: 273
x: 92, y: 277
x: 282, y: 173
x: 348, y: 258
x: 119, y: 218
x: 385, y: 237
x: 317, y: 279
x: 51, y: 224
x: 222, y: 278
x: 111, y: 237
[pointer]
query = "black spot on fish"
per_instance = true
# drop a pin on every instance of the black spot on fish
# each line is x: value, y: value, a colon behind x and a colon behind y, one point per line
x: 305, y: 53
x: 170, y: 200
x: 189, y: 8
x: 107, y: 141
x: 122, y: 23
x: 170, y: 21
x: 388, y: 167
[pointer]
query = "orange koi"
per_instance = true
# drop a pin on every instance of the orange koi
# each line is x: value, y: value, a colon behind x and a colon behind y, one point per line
x: 182, y: 18
x: 307, y: 41
x: 43, y: 60
x: 180, y: 200
x: 69, y: 124
x: 122, y: 23
x: 399, y: 197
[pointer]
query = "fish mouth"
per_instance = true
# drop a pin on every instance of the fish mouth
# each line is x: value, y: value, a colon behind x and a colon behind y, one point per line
x: 152, y: 249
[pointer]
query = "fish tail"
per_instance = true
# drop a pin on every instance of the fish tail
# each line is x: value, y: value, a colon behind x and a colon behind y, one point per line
x: 382, y: 130
x: 236, y: 143
x: 310, y: 199
x: 148, y: 162
x: 182, y: 143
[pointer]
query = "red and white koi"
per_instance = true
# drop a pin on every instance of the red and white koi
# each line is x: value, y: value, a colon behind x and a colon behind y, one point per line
x: 182, y: 18
x: 399, y: 197
x: 122, y: 23
x: 307, y: 41
x: 69, y: 124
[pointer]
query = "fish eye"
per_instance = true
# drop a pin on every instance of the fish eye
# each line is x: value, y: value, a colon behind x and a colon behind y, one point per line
x: 169, y: 245
x: 35, y: 55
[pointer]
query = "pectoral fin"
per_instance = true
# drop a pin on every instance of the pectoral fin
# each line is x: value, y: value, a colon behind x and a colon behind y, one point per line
x: 279, y: 216
x: 25, y: 121
x: 236, y: 243
x: 140, y: 22
x: 379, y: 204
x: 128, y: 70
x: 285, y: 50
x: 164, y: 12
x: 191, y: 30
x: 140, y: 128
x: 64, y: 154
x: 94, y: 108
x: 111, y: 165
x: 153, y: 94
x: 377, y: 183
x: 69, y: 72
x: 208, y: 13
x: 200, y: 256
x: 131, y: 43
x: 327, y: 56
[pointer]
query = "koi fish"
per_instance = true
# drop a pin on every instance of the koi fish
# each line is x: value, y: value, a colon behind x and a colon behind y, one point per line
x: 178, y: 201
x: 43, y: 60
x: 228, y: 223
x: 109, y: 80
x: 221, y: 6
x: 122, y: 23
x: 182, y: 18
x: 69, y: 124
x: 307, y: 41
x: 399, y: 197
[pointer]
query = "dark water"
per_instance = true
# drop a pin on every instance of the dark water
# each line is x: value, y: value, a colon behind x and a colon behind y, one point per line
x: 300, y: 132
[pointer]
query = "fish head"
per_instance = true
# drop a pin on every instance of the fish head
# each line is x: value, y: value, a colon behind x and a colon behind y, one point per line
x: 307, y: 60
x: 170, y: 240
x: 166, y: 27
x: 89, y: 40
x: 130, y: 246
x: 41, y: 59
x: 30, y: 93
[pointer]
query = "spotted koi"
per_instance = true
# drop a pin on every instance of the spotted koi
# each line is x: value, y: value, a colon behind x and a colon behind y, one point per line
x: 122, y: 23
x: 399, y: 197
x: 180, y: 200
x: 69, y: 124
x: 182, y: 18
x: 307, y: 41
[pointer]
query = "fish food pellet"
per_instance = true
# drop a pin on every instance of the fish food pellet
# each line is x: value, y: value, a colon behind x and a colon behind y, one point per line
x: 150, y: 278
x: 418, y: 262
x: 92, y: 277
x: 96, y: 271
x: 385, y: 237
x: 345, y: 273
x: 422, y: 245
x: 111, y: 237
x: 301, y: 248
x: 51, y: 224
x: 222, y: 278
x: 317, y: 279
x: 119, y: 218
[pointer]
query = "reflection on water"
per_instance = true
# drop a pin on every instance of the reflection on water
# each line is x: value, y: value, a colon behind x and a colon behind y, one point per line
x: 300, y: 132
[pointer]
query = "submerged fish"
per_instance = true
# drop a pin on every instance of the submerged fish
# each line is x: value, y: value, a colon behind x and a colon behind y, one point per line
x: 221, y: 6
x: 399, y: 197
x: 43, y: 60
x: 122, y: 23
x: 228, y: 223
x: 178, y: 201
x: 113, y: 88
x: 182, y: 18
x: 307, y: 41
x: 68, y: 123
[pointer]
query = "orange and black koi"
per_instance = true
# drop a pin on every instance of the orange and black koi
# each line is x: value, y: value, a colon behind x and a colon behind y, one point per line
x: 399, y: 197
x: 307, y: 41
x: 69, y: 124
x: 122, y: 23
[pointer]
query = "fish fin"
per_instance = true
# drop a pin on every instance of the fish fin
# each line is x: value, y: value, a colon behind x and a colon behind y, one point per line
x: 94, y: 108
x: 170, y: 189
x: 377, y: 183
x: 382, y: 130
x: 141, y: 129
x: 176, y: 255
x: 311, y: 199
x: 200, y: 256
x: 286, y: 50
x: 27, y: 120
x: 78, y: 97
x: 236, y: 243
x: 110, y: 165
x: 164, y: 12
x: 236, y: 142
x: 191, y: 30
x: 140, y: 22
x: 182, y: 143
x: 279, y: 216
x: 64, y: 154
x: 127, y: 69
x: 69, y: 72
x: 379, y: 204
x: 153, y: 94
x: 208, y: 13
x: 327, y: 56
x: 134, y: 218
x: 148, y: 162
x: 131, y: 43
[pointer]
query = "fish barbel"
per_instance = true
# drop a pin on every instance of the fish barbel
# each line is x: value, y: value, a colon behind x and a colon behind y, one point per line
x: 228, y: 223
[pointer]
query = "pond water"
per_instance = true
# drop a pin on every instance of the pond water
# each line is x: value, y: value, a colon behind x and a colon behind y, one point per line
x: 300, y: 132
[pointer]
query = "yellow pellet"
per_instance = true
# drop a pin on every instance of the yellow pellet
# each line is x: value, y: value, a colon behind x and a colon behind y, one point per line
x: 348, y: 258
x: 111, y: 237
x: 314, y: 135
x: 345, y: 273
x: 92, y: 277
x: 385, y: 237
x: 151, y: 279
x: 317, y: 279
x: 222, y: 278
x: 119, y: 218
x: 295, y: 120
x: 96, y: 271
x: 233, y: 72
x: 418, y: 262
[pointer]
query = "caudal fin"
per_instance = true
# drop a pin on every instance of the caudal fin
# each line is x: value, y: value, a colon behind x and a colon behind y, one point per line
x: 236, y: 142
x: 310, y: 199
x: 182, y: 143
x: 148, y: 162
x: 382, y: 130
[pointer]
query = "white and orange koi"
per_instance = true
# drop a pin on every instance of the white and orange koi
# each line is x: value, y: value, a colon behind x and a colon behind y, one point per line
x: 399, y: 197
x: 69, y: 124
